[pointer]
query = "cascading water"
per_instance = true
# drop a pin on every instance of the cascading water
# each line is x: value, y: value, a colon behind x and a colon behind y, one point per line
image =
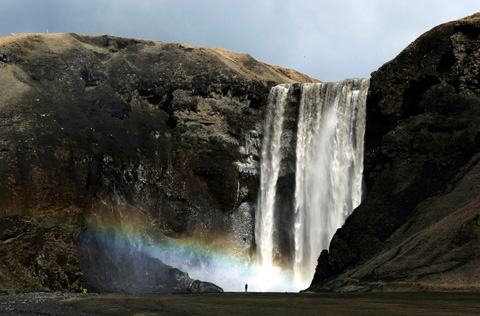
x: 270, y: 168
x: 329, y: 166
x: 328, y: 170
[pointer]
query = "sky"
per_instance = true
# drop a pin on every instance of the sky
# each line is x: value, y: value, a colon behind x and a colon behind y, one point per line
x: 327, y: 39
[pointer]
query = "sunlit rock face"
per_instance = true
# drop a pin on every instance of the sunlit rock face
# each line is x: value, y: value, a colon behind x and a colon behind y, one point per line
x: 170, y: 130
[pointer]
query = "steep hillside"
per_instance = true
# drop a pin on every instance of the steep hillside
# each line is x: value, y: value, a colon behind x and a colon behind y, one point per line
x: 419, y: 225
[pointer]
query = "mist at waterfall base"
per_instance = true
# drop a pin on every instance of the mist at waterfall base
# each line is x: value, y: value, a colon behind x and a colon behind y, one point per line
x: 202, y: 261
x: 329, y: 133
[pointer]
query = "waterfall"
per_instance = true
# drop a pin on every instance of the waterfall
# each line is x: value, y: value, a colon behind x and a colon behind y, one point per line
x: 270, y: 167
x: 328, y: 170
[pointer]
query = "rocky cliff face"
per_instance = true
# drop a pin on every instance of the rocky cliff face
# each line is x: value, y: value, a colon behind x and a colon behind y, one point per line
x: 419, y: 226
x: 97, y: 125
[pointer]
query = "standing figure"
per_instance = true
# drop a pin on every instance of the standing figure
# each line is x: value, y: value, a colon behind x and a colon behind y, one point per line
x: 246, y: 287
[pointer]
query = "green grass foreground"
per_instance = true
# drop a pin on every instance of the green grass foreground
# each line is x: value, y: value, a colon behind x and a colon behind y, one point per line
x: 280, y: 304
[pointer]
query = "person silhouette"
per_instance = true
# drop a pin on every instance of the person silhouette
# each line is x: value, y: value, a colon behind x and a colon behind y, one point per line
x: 246, y: 287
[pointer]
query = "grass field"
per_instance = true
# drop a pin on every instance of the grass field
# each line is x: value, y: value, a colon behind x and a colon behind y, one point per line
x: 279, y: 304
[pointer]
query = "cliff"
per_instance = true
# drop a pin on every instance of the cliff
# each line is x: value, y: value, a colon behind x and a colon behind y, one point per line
x: 96, y: 127
x: 419, y: 225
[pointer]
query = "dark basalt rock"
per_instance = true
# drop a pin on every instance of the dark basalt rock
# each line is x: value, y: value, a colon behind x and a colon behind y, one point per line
x: 203, y: 287
x: 415, y: 228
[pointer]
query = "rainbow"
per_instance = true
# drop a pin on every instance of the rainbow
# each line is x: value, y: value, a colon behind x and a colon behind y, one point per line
x: 207, y: 261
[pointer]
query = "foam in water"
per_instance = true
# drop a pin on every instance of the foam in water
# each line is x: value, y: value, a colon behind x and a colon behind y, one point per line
x: 328, y: 170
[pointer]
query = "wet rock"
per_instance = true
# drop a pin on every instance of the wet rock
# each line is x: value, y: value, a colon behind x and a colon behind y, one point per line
x: 204, y: 287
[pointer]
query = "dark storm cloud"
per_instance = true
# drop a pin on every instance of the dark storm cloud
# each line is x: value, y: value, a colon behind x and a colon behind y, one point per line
x: 328, y: 39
